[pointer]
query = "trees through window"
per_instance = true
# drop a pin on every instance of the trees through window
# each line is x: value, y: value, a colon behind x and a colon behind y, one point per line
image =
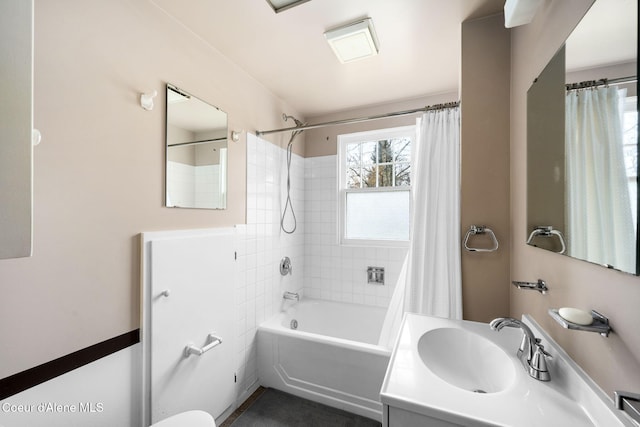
x: 375, y: 182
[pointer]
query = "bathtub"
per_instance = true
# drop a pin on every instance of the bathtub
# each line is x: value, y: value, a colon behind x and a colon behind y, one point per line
x: 332, y: 356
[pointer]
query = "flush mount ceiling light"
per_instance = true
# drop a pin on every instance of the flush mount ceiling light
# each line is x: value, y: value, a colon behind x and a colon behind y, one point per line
x: 353, y: 41
x: 282, y: 5
x: 519, y: 12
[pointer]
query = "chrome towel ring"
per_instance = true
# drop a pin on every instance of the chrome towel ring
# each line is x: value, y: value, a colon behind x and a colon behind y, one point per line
x: 548, y: 231
x: 480, y: 229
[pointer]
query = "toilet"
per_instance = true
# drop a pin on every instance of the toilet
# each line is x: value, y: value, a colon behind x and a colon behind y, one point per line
x: 187, y: 419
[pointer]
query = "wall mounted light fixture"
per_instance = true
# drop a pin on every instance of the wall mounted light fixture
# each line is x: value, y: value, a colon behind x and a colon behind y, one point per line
x: 146, y: 100
x: 235, y: 135
x: 36, y: 137
x: 356, y: 40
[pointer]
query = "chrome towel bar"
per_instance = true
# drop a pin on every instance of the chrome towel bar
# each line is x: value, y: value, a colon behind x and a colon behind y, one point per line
x: 481, y: 229
x: 213, y: 341
x: 540, y: 285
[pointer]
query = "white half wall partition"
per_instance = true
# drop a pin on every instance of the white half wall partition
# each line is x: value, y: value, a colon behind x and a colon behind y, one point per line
x: 188, y: 331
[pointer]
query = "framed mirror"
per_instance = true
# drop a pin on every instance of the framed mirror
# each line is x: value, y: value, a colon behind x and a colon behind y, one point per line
x: 582, y: 142
x: 196, y: 140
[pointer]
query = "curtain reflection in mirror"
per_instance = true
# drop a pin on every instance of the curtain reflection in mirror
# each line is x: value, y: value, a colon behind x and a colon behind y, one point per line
x: 597, y: 182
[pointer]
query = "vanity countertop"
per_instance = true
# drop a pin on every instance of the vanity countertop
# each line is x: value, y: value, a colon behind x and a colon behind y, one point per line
x: 566, y: 400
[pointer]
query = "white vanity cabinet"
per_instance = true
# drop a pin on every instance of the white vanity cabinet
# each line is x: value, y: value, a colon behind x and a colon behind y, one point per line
x: 396, y: 417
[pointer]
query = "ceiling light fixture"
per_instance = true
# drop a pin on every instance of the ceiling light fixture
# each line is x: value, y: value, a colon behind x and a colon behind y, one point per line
x: 282, y: 5
x: 356, y: 40
x: 519, y: 12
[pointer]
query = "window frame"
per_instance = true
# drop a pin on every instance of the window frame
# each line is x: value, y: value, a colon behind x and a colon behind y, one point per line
x: 343, y: 140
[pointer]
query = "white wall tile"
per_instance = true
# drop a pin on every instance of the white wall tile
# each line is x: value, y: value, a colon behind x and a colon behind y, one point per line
x: 321, y: 267
x: 264, y: 244
x: 333, y: 271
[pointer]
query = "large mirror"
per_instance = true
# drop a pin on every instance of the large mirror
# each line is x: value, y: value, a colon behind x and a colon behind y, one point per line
x: 196, y: 135
x: 582, y: 150
x: 16, y: 124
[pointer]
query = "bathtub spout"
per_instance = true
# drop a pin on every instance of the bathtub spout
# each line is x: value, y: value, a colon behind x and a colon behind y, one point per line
x: 291, y: 295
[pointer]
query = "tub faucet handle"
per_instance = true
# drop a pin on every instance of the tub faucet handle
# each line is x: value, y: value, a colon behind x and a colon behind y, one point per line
x: 285, y: 266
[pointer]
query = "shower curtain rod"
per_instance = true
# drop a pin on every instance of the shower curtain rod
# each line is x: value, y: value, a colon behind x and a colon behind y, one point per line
x: 204, y: 141
x: 601, y: 82
x: 363, y: 119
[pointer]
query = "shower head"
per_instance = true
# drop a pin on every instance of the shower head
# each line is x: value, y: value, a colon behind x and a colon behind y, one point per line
x: 286, y: 117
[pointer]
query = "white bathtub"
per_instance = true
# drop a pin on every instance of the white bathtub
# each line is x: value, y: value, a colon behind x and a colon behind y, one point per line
x: 332, y: 357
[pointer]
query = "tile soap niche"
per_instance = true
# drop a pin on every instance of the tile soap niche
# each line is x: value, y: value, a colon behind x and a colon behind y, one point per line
x: 375, y: 275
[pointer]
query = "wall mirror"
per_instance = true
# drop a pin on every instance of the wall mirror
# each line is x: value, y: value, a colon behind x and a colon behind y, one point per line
x: 582, y: 149
x: 16, y: 125
x: 196, y: 137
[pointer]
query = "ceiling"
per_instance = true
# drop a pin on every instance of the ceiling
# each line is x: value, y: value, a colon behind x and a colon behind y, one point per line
x: 607, y: 35
x: 287, y: 52
x: 419, y: 45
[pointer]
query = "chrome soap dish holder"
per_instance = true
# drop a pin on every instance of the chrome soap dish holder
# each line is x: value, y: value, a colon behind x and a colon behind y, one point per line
x: 600, y: 323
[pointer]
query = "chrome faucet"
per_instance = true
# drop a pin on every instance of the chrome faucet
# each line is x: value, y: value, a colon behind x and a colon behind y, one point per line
x: 531, y: 353
x: 291, y: 295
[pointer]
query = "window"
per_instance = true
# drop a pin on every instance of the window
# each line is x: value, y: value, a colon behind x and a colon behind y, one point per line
x: 375, y: 183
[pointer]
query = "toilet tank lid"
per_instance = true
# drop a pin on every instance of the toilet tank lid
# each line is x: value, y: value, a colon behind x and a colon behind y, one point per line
x: 189, y: 418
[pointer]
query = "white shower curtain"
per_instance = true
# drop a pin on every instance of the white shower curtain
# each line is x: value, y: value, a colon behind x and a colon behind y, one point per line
x: 596, y: 179
x: 430, y: 281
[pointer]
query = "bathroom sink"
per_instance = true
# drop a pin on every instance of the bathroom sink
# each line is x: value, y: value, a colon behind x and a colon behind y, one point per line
x: 466, y: 360
x: 437, y: 364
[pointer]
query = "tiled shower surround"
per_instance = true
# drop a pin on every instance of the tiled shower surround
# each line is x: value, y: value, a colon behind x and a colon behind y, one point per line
x: 321, y: 267
x: 193, y: 185
x: 260, y: 285
x: 333, y: 271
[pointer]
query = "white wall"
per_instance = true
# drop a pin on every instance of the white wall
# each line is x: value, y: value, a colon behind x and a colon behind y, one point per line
x: 114, y: 381
x: 99, y: 171
x: 105, y: 393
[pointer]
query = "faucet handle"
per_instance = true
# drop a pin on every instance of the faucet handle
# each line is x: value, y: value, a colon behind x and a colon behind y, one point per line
x: 540, y: 349
x: 538, y: 365
x: 285, y: 266
x: 525, y: 347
